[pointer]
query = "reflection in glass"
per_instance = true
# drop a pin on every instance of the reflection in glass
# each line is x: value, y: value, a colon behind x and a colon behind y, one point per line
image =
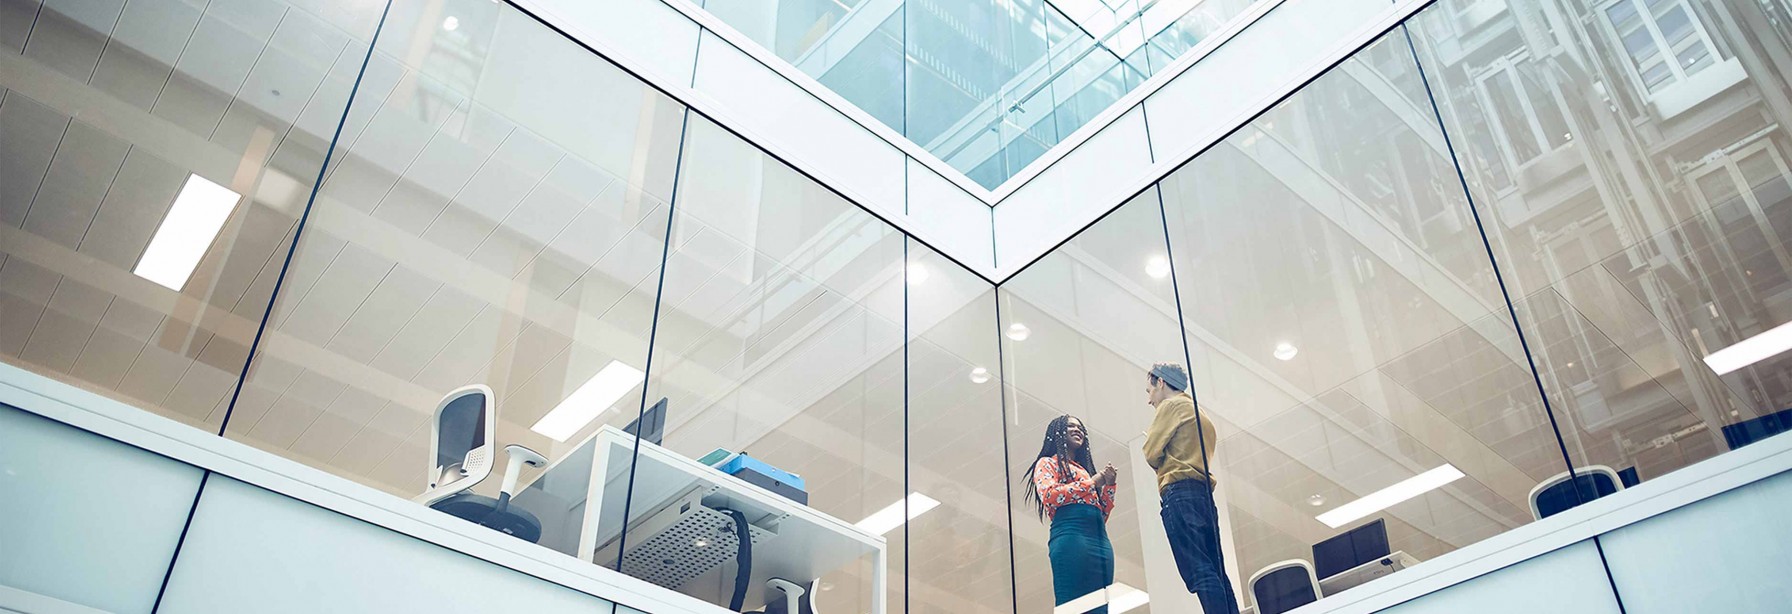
x: 156, y: 157
x: 1347, y: 334
x: 471, y: 230
x: 780, y: 339
x: 1096, y: 318
x: 987, y: 86
x: 1659, y: 240
x: 955, y: 441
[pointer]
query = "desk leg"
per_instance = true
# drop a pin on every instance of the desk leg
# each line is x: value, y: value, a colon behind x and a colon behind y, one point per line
x: 880, y: 582
x: 594, y: 500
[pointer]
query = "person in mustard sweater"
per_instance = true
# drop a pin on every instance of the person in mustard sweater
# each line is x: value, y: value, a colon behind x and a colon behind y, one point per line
x: 1177, y: 446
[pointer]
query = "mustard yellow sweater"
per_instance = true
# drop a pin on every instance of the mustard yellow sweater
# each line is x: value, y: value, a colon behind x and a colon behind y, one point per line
x: 1173, y: 443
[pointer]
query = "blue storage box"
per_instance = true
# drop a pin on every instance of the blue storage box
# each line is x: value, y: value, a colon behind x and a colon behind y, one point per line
x: 758, y: 473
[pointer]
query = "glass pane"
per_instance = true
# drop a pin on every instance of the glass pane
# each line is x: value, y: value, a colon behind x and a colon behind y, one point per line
x: 1491, y: 170
x: 156, y: 157
x: 1675, y: 26
x: 1502, y: 90
x: 987, y: 85
x: 486, y: 222
x: 1637, y: 262
x: 972, y: 82
x: 779, y: 340
x: 1639, y: 44
x: 1717, y: 186
x: 1771, y: 183
x: 853, y: 47
x: 1693, y: 56
x: 1623, y: 15
x: 1537, y: 88
x: 1349, y: 340
x: 1080, y: 329
x: 956, y: 442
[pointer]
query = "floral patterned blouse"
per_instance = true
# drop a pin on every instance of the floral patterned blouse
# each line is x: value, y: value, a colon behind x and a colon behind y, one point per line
x: 1062, y: 484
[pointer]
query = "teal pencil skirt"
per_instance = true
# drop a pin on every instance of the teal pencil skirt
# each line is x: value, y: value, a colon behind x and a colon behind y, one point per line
x: 1082, y: 557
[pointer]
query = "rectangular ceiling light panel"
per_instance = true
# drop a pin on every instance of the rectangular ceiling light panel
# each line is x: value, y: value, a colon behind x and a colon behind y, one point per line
x: 187, y: 232
x: 591, y: 400
x: 1390, y: 496
x: 1751, y: 350
x: 887, y: 519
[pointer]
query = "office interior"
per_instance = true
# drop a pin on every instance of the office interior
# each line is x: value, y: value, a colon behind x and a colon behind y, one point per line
x: 1507, y: 241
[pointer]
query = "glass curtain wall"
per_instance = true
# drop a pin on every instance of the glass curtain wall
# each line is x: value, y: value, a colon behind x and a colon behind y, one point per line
x: 1510, y: 257
x: 1079, y: 330
x: 1628, y: 158
x: 636, y: 286
x: 987, y: 86
x: 483, y: 222
x: 1348, y: 332
x: 155, y: 157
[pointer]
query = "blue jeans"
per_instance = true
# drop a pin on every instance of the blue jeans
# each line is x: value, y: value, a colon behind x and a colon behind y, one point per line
x: 1193, y: 525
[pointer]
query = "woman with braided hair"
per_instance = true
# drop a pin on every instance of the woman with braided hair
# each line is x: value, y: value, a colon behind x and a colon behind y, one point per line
x: 1064, y: 485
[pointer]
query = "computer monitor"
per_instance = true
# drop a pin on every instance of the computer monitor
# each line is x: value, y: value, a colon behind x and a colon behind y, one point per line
x: 1756, y: 429
x: 1351, y: 548
x: 651, y: 426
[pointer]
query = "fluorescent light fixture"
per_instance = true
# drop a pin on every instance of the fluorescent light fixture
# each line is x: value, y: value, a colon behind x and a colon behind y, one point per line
x: 887, y: 519
x: 1117, y: 596
x: 199, y: 212
x: 1388, y: 497
x: 1751, y: 350
x: 592, y: 399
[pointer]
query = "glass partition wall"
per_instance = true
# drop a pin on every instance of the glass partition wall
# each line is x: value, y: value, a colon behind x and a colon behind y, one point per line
x: 1509, y: 257
x: 988, y: 86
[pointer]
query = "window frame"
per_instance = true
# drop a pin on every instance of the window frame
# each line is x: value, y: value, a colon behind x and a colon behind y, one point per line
x: 1670, y: 59
x: 1728, y: 160
x: 1509, y: 64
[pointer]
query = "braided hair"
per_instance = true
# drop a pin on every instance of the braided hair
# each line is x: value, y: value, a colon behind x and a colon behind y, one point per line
x: 1057, y: 445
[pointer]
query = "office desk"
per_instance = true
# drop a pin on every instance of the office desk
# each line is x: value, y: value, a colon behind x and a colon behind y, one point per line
x: 807, y: 543
x: 1362, y: 574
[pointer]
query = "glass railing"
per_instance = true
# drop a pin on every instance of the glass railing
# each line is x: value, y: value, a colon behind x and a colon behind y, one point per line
x: 988, y: 86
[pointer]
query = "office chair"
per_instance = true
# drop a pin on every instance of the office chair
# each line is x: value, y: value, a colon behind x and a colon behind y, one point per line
x: 460, y: 452
x: 1284, y: 586
x: 1556, y: 494
x: 789, y: 597
x: 463, y: 435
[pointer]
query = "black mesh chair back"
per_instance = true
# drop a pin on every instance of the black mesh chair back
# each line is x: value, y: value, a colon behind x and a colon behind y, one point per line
x: 1284, y: 589
x: 1560, y: 497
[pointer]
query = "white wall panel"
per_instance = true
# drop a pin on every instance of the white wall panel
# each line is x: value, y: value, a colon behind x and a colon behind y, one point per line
x: 1725, y: 554
x: 950, y: 219
x: 788, y: 121
x: 643, y: 35
x: 1072, y: 193
x: 84, y: 519
x: 252, y: 550
x: 1566, y: 581
x: 1231, y: 83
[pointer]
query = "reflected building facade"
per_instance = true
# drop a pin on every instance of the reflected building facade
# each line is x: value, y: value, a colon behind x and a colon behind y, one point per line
x: 1497, y: 247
